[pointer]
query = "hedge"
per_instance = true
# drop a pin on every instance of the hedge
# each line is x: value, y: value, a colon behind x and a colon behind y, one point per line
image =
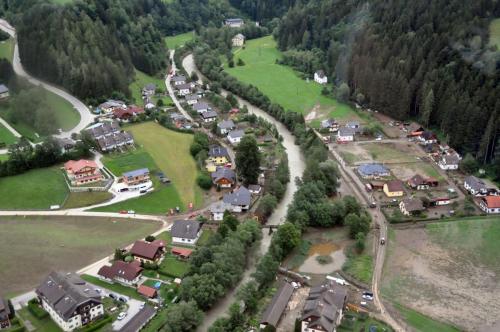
x: 97, y: 325
x: 35, y: 309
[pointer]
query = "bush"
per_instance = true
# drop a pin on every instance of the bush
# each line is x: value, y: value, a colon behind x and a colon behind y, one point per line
x: 324, y: 259
x: 204, y: 181
x: 98, y: 324
x: 150, y: 238
x: 240, y: 62
x: 35, y: 309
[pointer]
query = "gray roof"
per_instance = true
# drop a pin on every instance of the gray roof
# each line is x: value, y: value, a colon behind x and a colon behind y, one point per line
x: 179, y: 78
x: 200, y: 106
x: 4, y: 309
x: 66, y: 292
x: 352, y: 124
x: 137, y: 172
x: 320, y: 73
x: 226, y: 124
x: 208, y: 115
x: 187, y: 229
x: 192, y: 97
x: 184, y: 86
x: 328, y: 123
x: 234, y: 20
x: 413, y: 204
x: 278, y: 304
x: 3, y: 88
x: 236, y: 133
x: 219, y: 207
x: 475, y: 183
x: 239, y: 36
x: 451, y: 159
x: 323, y: 305
x: 372, y: 169
x: 217, y: 151
x: 150, y: 87
x: 239, y: 197
x: 254, y: 187
x: 346, y: 131
x: 223, y: 173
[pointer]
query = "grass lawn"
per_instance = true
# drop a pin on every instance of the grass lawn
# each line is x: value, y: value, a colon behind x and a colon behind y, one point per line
x: 119, y: 163
x: 495, y: 32
x: 4, y: 157
x: 173, y: 267
x: 387, y: 152
x: 7, y: 49
x: 35, y: 189
x: 360, y: 267
x: 353, y: 321
x: 205, y: 236
x: 141, y: 79
x: 281, y: 83
x: 41, y: 325
x: 165, y: 236
x: 118, y: 288
x: 58, y: 240
x: 173, y: 42
x: 423, y: 323
x: 81, y: 199
x: 6, y: 136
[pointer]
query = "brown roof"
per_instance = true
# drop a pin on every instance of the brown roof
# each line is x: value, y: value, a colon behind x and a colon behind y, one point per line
x: 120, y: 269
x: 395, y: 185
x: 413, y: 204
x: 182, y: 251
x: 146, y: 291
x: 145, y: 249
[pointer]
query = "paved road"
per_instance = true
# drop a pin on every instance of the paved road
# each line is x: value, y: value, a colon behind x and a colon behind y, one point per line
x: 86, y: 117
x: 296, y: 164
x: 10, y: 128
x: 171, y: 91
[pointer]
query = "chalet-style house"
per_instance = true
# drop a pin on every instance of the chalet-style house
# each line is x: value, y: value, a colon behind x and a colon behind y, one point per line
x: 475, y: 186
x: 239, y: 199
x: 127, y: 113
x: 6, y: 314
x: 115, y: 141
x: 217, y: 210
x: 277, y: 306
x: 345, y: 134
x: 323, y: 308
x: 82, y: 172
x: 149, y: 90
x: 394, y: 188
x: 201, y: 107
x: 186, y: 231
x: 110, y: 105
x: 373, y: 171
x: 235, y: 136
x: 320, y: 77
x: 330, y: 124
x: 136, y: 177
x: 411, y: 206
x: 70, y: 301
x: 223, y: 177
x: 417, y: 182
x: 122, y: 272
x: 490, y: 204
x: 148, y: 252
x: 183, y: 89
x: 225, y: 127
x: 192, y: 99
x: 234, y: 22
x: 4, y: 92
x: 209, y: 116
x: 218, y: 155
x: 238, y: 40
x: 449, y: 162
x: 179, y: 80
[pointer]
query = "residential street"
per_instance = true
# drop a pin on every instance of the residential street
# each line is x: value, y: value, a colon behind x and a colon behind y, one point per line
x: 171, y: 91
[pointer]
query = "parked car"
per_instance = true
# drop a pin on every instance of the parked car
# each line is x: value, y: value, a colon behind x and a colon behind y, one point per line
x: 122, y: 315
x: 131, y: 212
x: 123, y: 211
x: 113, y: 296
x: 122, y: 299
x: 141, y: 306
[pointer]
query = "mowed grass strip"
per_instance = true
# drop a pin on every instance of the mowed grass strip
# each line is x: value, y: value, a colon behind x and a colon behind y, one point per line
x: 35, y: 189
x: 173, y: 42
x: 6, y: 136
x: 281, y: 83
x: 422, y: 323
x: 7, y: 49
x: 38, y: 245
x: 81, y: 199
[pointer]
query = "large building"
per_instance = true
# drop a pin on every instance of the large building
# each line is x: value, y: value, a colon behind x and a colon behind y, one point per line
x: 185, y: 231
x: 136, y: 177
x: 234, y: 22
x: 238, y: 40
x: 81, y: 172
x: 109, y: 136
x: 373, y: 171
x: 70, y: 301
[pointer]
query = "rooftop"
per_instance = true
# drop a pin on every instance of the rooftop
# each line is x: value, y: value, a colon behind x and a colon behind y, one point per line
x: 373, y: 169
x: 146, y: 249
x: 121, y: 269
x: 239, y: 197
x: 137, y: 172
x: 187, y: 229
x: 274, y: 310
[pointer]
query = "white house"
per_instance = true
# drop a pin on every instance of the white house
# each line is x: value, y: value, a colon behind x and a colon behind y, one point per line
x: 185, y: 231
x: 238, y: 40
x: 449, y: 162
x: 192, y: 99
x: 209, y: 116
x: 235, y: 136
x: 184, y: 89
x: 239, y: 199
x: 201, y: 107
x: 345, y: 134
x: 234, y: 22
x: 320, y: 77
x: 225, y: 126
x: 475, y: 186
x: 69, y: 300
x: 490, y: 204
x: 217, y: 210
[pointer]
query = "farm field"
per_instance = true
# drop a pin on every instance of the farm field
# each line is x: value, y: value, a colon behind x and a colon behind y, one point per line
x: 58, y: 240
x: 448, y: 271
x: 7, y: 49
x: 173, y: 42
x: 422, y: 323
x: 35, y: 189
x: 281, y: 83
x: 165, y: 151
x: 6, y: 136
x: 141, y: 79
x: 495, y: 32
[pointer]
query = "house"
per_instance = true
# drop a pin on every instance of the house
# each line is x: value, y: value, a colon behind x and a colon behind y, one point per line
x: 148, y: 104
x: 440, y: 201
x: 417, y: 182
x: 183, y: 253
x: 183, y: 89
x: 149, y: 90
x: 255, y: 189
x: 373, y: 171
x: 6, y: 313
x: 225, y: 126
x: 209, y: 116
x: 235, y: 136
x: 115, y: 141
x: 345, y: 134
x: 186, y: 231
x: 217, y: 210
x: 394, y: 188
x: 377, y: 185
x: 234, y: 22
x: 218, y: 155
x: 110, y: 105
x: 192, y: 99
x: 414, y: 130
x: 103, y: 129
x: 127, y: 113
x: 475, y: 186
x: 239, y: 199
x: 320, y: 77
x: 224, y: 177
x: 490, y: 204
x: 136, y: 177
x: 449, y: 162
x: 122, y: 272
x: 427, y: 137
x: 146, y: 291
x: 323, y: 308
x: 411, y: 206
x: 147, y: 252
x: 238, y: 40
x: 70, y: 301
x: 277, y: 306
x: 179, y: 80
x: 4, y: 92
x: 82, y: 172
x: 353, y: 125
x: 65, y: 144
x: 201, y: 107
x: 330, y: 124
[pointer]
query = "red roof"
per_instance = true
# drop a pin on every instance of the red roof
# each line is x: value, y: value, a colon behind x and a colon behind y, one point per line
x: 145, y: 249
x: 146, y: 291
x: 76, y: 166
x: 128, y: 112
x: 395, y: 185
x: 159, y: 243
x: 492, y: 202
x: 182, y: 251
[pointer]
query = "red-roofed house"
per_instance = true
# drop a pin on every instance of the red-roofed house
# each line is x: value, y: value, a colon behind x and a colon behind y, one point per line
x: 147, y: 252
x: 146, y: 291
x: 490, y: 204
x: 183, y: 253
x: 127, y: 113
x: 82, y: 172
x: 122, y: 272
